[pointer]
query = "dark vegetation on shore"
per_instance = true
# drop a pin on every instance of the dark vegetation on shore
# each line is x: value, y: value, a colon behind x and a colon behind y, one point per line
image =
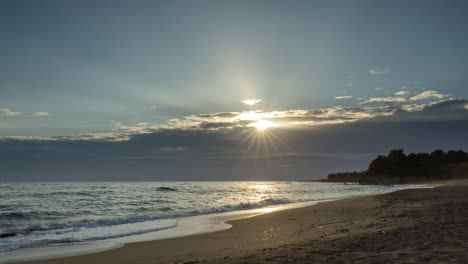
x: 397, y: 167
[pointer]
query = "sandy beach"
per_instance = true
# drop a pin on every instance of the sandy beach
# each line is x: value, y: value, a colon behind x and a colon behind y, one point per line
x: 409, y: 226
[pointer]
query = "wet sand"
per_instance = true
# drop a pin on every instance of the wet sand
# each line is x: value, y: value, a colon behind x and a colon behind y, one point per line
x: 409, y: 226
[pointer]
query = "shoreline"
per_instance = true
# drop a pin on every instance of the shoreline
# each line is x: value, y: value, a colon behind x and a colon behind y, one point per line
x: 270, y: 234
x: 187, y: 226
x: 204, y: 224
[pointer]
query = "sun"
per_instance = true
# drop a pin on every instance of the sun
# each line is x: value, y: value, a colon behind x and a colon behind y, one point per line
x: 262, y: 125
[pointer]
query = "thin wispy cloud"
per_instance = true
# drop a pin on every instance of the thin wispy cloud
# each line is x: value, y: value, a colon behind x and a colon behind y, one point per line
x: 251, y: 101
x: 402, y: 93
x: 427, y: 95
x: 344, y: 97
x: 379, y: 71
x: 385, y: 100
x: 41, y: 114
x: 9, y: 112
x: 136, y: 129
x: 107, y: 137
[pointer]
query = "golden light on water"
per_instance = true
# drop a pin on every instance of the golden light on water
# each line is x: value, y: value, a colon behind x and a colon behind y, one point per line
x: 261, y: 187
x: 267, y: 210
x: 261, y: 191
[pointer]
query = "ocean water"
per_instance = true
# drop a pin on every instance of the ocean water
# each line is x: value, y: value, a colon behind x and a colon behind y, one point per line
x: 43, y: 214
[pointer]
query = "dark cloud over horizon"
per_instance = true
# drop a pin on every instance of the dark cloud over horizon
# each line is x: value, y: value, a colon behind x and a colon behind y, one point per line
x: 219, y: 151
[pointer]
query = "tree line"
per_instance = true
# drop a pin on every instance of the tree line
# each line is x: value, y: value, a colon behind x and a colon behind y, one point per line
x: 397, y: 167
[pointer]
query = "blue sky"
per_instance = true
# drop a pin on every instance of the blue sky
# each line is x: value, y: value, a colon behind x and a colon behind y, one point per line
x: 118, y: 70
x: 90, y: 64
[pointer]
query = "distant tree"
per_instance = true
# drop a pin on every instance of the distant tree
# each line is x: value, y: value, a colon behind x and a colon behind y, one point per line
x: 416, y: 165
x: 377, y: 165
x: 439, y: 156
x: 399, y: 167
x: 394, y: 163
x: 456, y: 156
x: 397, y: 155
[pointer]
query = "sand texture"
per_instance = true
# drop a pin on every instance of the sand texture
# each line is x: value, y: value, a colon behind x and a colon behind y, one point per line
x: 409, y: 226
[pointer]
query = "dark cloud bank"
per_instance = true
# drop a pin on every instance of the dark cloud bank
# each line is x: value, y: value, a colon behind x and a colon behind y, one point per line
x: 301, y: 152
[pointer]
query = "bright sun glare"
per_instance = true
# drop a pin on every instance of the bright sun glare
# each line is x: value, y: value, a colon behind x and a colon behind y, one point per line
x: 263, y: 124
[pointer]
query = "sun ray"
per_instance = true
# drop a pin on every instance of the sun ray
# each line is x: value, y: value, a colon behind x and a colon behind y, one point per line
x: 261, y: 146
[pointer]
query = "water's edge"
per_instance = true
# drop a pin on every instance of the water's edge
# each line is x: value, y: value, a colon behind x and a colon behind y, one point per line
x: 186, y: 226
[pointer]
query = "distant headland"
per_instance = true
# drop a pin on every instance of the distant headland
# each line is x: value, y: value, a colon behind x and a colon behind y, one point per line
x: 397, y: 168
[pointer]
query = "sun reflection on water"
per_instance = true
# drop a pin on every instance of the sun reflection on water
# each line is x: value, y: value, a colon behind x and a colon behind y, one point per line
x: 259, y: 187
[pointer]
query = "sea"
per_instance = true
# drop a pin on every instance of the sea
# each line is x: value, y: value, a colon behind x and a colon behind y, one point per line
x: 43, y: 220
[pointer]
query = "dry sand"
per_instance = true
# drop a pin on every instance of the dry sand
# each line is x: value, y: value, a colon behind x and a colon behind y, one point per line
x: 409, y: 226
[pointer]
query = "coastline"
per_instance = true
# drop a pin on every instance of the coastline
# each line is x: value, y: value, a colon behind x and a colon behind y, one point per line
x: 384, y: 225
x: 180, y: 227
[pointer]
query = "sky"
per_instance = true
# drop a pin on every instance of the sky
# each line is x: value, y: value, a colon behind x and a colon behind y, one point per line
x: 226, y: 90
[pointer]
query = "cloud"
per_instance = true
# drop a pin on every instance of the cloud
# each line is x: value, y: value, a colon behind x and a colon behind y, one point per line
x: 379, y: 71
x: 8, y: 112
x: 402, y: 93
x: 377, y: 88
x: 251, y: 101
x: 110, y: 137
x: 385, y: 100
x: 217, y: 125
x: 137, y: 129
x: 103, y: 137
x: 427, y: 95
x: 284, y: 119
x: 41, y: 114
x: 288, y: 119
x: 344, y: 97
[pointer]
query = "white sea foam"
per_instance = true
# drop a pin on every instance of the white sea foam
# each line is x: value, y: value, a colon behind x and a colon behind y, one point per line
x: 81, y: 234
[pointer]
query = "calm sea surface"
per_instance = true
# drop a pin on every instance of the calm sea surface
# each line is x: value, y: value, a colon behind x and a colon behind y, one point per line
x: 39, y: 214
